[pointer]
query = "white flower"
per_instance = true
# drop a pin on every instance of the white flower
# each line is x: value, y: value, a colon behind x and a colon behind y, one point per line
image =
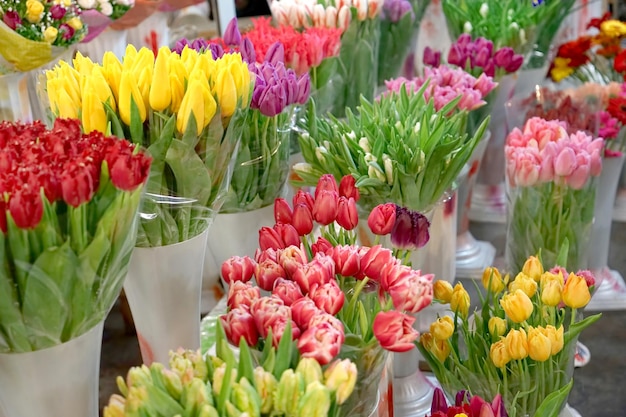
x: 417, y: 127
x: 388, y: 164
x: 369, y: 157
x: 87, y: 4
x: 514, y: 26
x: 303, y: 167
x: 106, y: 8
x: 365, y: 145
x: 374, y: 172
x: 352, y: 135
x: 522, y: 36
x: 320, y: 153
x: 467, y: 27
x: 484, y: 10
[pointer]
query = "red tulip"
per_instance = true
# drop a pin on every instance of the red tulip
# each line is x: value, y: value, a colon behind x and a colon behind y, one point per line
x: 347, y: 260
x: 321, y: 342
x: 238, y: 268
x: 328, y: 297
x: 302, y: 219
x: 128, y: 171
x: 26, y: 207
x: 305, y: 198
x: 265, y: 255
x: 326, y: 182
x: 288, y: 235
x: 78, y: 183
x: 319, y: 271
x: 348, y: 188
x: 382, y: 219
x: 303, y: 311
x: 239, y: 323
x: 269, y: 238
x: 279, y: 326
x: 394, y: 331
x: 322, y: 246
x: 291, y: 258
x: 266, y: 273
x: 375, y: 261
x: 287, y: 290
x: 325, y: 207
x: 347, y: 214
x: 267, y: 310
x: 397, y: 275
x: 282, y: 211
x: 242, y: 294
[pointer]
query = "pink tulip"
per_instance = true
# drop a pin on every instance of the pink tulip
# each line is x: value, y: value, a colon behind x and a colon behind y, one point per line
x: 375, y: 260
x: 323, y: 246
x: 328, y: 297
x: 278, y: 327
x: 267, y: 310
x: 328, y: 319
x: 302, y: 197
x: 238, y: 268
x: 319, y: 271
x: 325, y: 207
x: 287, y: 290
x: 303, y: 310
x: 266, y: 274
x: 239, y: 324
x: 270, y: 239
x: 291, y: 258
x: 579, y: 177
x: 394, y: 331
x: 485, y: 84
x: 395, y: 275
x: 590, y: 279
x: 382, y: 219
x: 347, y: 260
x: 347, y: 214
x: 326, y: 182
x: 288, y: 235
x: 527, y: 170
x: 565, y: 162
x: 282, y: 211
x: 321, y: 342
x: 416, y: 295
x: 348, y: 188
x: 302, y: 219
x: 242, y: 294
x: 265, y: 255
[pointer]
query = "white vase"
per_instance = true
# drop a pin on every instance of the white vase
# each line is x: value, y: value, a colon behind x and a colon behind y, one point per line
x: 57, y: 381
x: 619, y: 211
x: 163, y: 287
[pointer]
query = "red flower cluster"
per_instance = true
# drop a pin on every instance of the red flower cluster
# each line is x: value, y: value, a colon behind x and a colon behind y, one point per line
x: 464, y: 404
x: 303, y: 50
x: 62, y: 162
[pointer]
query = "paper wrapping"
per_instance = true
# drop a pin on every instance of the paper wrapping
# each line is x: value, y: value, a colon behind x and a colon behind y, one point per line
x: 18, y: 54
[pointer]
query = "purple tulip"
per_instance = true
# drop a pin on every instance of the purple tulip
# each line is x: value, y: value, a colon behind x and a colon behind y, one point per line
x: 247, y: 51
x: 216, y: 50
x: 481, y: 58
x: 481, y: 43
x: 57, y: 12
x: 199, y: 44
x: 273, y: 101
x: 304, y: 88
x: 461, y: 397
x: 232, y: 36
x: 394, y: 10
x: 490, y: 69
x: 503, y: 56
x: 456, y: 56
x: 439, y: 404
x: 431, y: 57
x: 410, y: 231
x: 515, y: 64
x: 275, y: 53
x: 277, y: 87
x: 12, y: 19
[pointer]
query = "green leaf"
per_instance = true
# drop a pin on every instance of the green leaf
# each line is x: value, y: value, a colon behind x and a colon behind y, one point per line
x: 192, y: 179
x: 561, y: 259
x: 246, y: 362
x: 12, y: 328
x: 284, y: 352
x: 553, y: 403
x: 136, y: 125
x: 116, y: 126
x: 575, y: 329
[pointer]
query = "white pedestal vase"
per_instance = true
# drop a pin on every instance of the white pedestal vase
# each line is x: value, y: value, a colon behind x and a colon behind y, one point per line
x: 611, y: 292
x: 57, y: 381
x: 619, y: 211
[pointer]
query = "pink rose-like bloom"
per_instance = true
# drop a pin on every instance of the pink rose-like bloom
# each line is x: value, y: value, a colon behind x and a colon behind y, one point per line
x: 266, y: 274
x: 265, y: 255
x: 238, y: 268
x: 291, y: 258
x: 319, y: 271
x: 266, y: 310
x: 321, y: 342
x: 303, y: 311
x: 590, y: 279
x: 395, y: 275
x: 287, y: 290
x: 382, y: 218
x: 328, y: 297
x: 242, y: 294
x: 414, y: 294
x: 375, y: 260
x: 278, y: 328
x: 347, y: 260
x: 394, y: 331
x: 238, y: 323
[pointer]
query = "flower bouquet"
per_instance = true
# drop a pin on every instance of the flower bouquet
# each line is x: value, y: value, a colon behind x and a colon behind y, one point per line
x: 358, y: 57
x: 467, y: 404
x: 550, y: 191
x: 68, y: 226
x: 519, y: 343
x: 400, y: 20
x: 336, y: 298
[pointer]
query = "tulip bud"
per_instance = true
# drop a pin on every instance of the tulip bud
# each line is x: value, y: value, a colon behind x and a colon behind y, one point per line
x: 226, y: 91
x: 265, y: 384
x: 347, y: 214
x: 517, y: 306
x: 208, y: 411
x: 302, y: 219
x: 497, y: 326
x: 382, y: 219
x: 325, y: 207
x: 282, y: 211
x: 245, y: 398
x: 310, y: 370
x: 442, y: 328
x: 556, y: 338
x: 115, y: 408
x: 340, y: 377
x: 315, y: 402
x: 576, y: 292
x: 348, y: 188
x: 112, y: 69
x: 160, y: 87
x: 218, y: 378
x: 93, y: 116
x: 288, y: 392
x: 539, y: 348
x: 191, y: 105
x: 442, y: 291
x: 195, y: 394
x: 551, y: 293
x: 525, y: 283
x: 516, y: 343
x: 238, y: 268
x: 499, y: 354
x: 533, y: 268
x: 129, y: 93
x: 460, y: 300
x: 492, y: 280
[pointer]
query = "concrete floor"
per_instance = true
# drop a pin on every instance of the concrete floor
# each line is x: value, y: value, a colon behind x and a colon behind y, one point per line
x: 599, y: 387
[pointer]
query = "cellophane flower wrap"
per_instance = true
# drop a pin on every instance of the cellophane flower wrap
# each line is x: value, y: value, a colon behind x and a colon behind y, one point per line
x: 187, y: 110
x: 597, y: 56
x: 336, y: 298
x: 407, y: 147
x: 222, y: 385
x: 68, y: 225
x: 33, y: 33
x: 400, y: 20
x: 98, y: 15
x: 550, y: 191
x: 359, y: 21
x: 518, y: 343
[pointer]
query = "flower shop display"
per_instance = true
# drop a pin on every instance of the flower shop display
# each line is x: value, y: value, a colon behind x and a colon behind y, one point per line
x: 551, y: 191
x: 69, y: 221
x: 98, y: 15
x: 519, y: 342
x: 337, y: 298
x: 358, y: 57
x: 467, y: 404
x: 400, y: 20
x: 188, y: 110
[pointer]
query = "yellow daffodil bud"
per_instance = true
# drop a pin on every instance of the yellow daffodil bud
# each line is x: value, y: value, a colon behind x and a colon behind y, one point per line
x: 460, y: 300
x: 192, y: 104
x: 516, y: 343
x: 492, y: 280
x: 130, y: 92
x: 93, y: 114
x: 50, y: 34
x: 551, y: 293
x: 75, y: 23
x: 442, y: 291
x: 517, y: 306
x: 178, y: 92
x: 556, y: 338
x: 499, y: 354
x: 34, y: 11
x: 525, y: 283
x: 497, y: 326
x: 576, y: 292
x: 539, y: 348
x: 533, y: 268
x: 442, y: 328
x: 226, y: 93
x: 340, y: 377
x: 160, y: 88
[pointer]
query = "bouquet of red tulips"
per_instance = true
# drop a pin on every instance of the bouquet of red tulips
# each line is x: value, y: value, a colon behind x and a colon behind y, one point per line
x: 69, y: 220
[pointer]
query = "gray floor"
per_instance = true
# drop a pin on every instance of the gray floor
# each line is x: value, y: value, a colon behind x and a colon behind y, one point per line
x: 599, y: 387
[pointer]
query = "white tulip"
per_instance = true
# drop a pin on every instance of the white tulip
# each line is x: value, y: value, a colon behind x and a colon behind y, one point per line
x: 331, y: 17
x: 344, y: 17
x: 484, y: 10
x: 467, y: 27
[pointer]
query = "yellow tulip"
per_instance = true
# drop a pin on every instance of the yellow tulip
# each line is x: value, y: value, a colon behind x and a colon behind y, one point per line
x: 551, y: 293
x: 189, y: 58
x: 177, y: 67
x: 442, y: 328
x: 129, y: 91
x: 50, y: 34
x: 499, y: 354
x: 112, y: 69
x: 75, y: 23
x: 202, y: 65
x: 497, y: 326
x: 539, y: 345
x: 517, y: 306
x: 525, y: 283
x: 68, y: 109
x: 442, y: 291
x: 241, y: 75
x: 210, y: 106
x: 197, y: 75
x: 144, y: 59
x: 439, y: 348
x: 492, y: 280
x: 576, y: 292
x: 460, y: 300
x: 93, y: 114
x: 102, y: 88
x: 129, y: 56
x: 143, y: 84
x: 226, y: 93
x: 549, y: 276
x: 160, y: 88
x: 533, y: 268
x: 556, y: 338
x: 193, y: 103
x: 83, y: 64
x: 34, y: 11
x: 516, y: 343
x: 178, y: 91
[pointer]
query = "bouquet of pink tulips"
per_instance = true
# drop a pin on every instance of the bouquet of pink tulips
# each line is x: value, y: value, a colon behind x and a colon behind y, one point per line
x: 332, y: 297
x: 551, y: 191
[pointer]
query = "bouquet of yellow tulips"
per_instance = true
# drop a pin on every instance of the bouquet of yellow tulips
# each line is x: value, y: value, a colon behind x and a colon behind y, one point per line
x: 186, y: 109
x: 521, y: 341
